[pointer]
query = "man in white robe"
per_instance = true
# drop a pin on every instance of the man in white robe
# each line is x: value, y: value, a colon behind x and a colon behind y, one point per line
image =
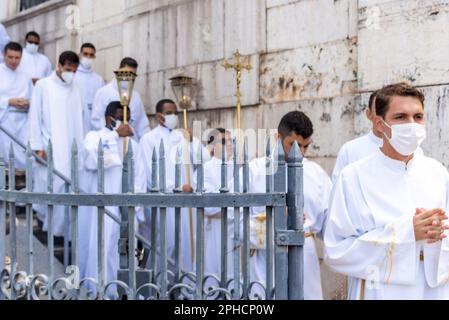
x: 88, y: 81
x: 112, y: 137
x: 363, y: 146
x: 4, y: 40
x: 173, y: 140
x: 219, y: 140
x: 386, y: 228
x: 34, y: 63
x: 139, y: 120
x: 15, y: 94
x: 294, y: 127
x: 56, y: 114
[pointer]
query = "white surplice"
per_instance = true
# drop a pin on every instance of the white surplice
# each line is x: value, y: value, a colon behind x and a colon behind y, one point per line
x: 370, y: 234
x: 173, y: 140
x: 88, y: 217
x: 317, y: 189
x: 356, y: 150
x: 109, y: 93
x: 56, y: 114
x: 14, y: 84
x: 35, y: 65
x: 213, y: 223
x: 89, y: 82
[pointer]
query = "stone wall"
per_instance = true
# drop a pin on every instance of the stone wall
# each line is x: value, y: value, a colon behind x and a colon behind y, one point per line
x: 321, y: 56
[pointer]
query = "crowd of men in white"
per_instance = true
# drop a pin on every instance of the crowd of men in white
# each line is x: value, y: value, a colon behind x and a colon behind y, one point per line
x: 382, y: 216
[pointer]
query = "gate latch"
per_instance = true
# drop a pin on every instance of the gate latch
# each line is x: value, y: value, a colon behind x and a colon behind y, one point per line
x: 290, y: 238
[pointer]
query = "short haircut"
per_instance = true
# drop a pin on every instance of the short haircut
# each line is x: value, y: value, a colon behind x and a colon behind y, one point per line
x: 372, y: 100
x: 69, y: 57
x: 88, y: 45
x: 214, y: 134
x: 111, y: 109
x: 161, y: 103
x: 130, y: 62
x: 385, y: 95
x: 33, y: 34
x: 296, y: 122
x: 13, y: 46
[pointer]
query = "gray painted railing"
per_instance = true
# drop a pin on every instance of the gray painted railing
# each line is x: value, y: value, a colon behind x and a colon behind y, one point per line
x: 164, y: 279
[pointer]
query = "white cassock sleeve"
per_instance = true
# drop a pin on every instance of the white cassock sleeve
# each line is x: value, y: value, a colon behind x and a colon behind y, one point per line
x: 342, y: 162
x: 91, y: 151
x: 35, y: 119
x: 354, y: 246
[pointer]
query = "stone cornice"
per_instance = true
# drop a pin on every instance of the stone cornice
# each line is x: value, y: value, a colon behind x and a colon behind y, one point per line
x: 36, y: 11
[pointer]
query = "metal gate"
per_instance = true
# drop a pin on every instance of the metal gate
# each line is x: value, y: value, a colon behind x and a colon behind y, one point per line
x: 164, y: 278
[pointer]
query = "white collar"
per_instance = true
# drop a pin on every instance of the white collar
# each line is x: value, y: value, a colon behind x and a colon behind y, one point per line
x: 396, y: 165
x: 82, y: 69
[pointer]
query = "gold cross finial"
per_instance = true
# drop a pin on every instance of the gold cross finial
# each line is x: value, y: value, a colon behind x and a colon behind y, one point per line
x: 238, y: 66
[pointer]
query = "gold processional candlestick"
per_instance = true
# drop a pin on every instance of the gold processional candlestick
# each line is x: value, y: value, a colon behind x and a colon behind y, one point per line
x: 125, y: 83
x: 182, y: 86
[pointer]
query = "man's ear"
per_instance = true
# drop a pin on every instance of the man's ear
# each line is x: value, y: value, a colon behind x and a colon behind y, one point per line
x: 160, y: 118
x: 378, y: 124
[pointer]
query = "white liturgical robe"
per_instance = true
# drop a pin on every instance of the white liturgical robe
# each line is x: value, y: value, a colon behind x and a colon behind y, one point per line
x: 213, y: 223
x: 173, y: 140
x: 14, y: 84
x: 317, y: 189
x: 36, y: 65
x: 139, y: 120
x: 370, y: 234
x: 89, y: 83
x: 56, y: 114
x: 88, y: 217
x: 356, y: 150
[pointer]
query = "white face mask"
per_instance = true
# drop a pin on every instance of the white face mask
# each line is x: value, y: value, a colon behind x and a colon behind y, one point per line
x: 171, y: 121
x: 32, y: 48
x: 117, y: 125
x: 406, y: 138
x: 67, y: 77
x: 87, y: 63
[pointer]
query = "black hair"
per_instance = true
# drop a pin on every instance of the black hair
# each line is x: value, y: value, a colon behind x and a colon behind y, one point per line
x: 297, y: 122
x: 88, y: 45
x: 111, y: 109
x: 69, y: 57
x: 33, y: 34
x: 13, y: 46
x: 213, y: 135
x: 130, y: 62
x: 402, y: 89
x: 372, y: 100
x: 161, y: 103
